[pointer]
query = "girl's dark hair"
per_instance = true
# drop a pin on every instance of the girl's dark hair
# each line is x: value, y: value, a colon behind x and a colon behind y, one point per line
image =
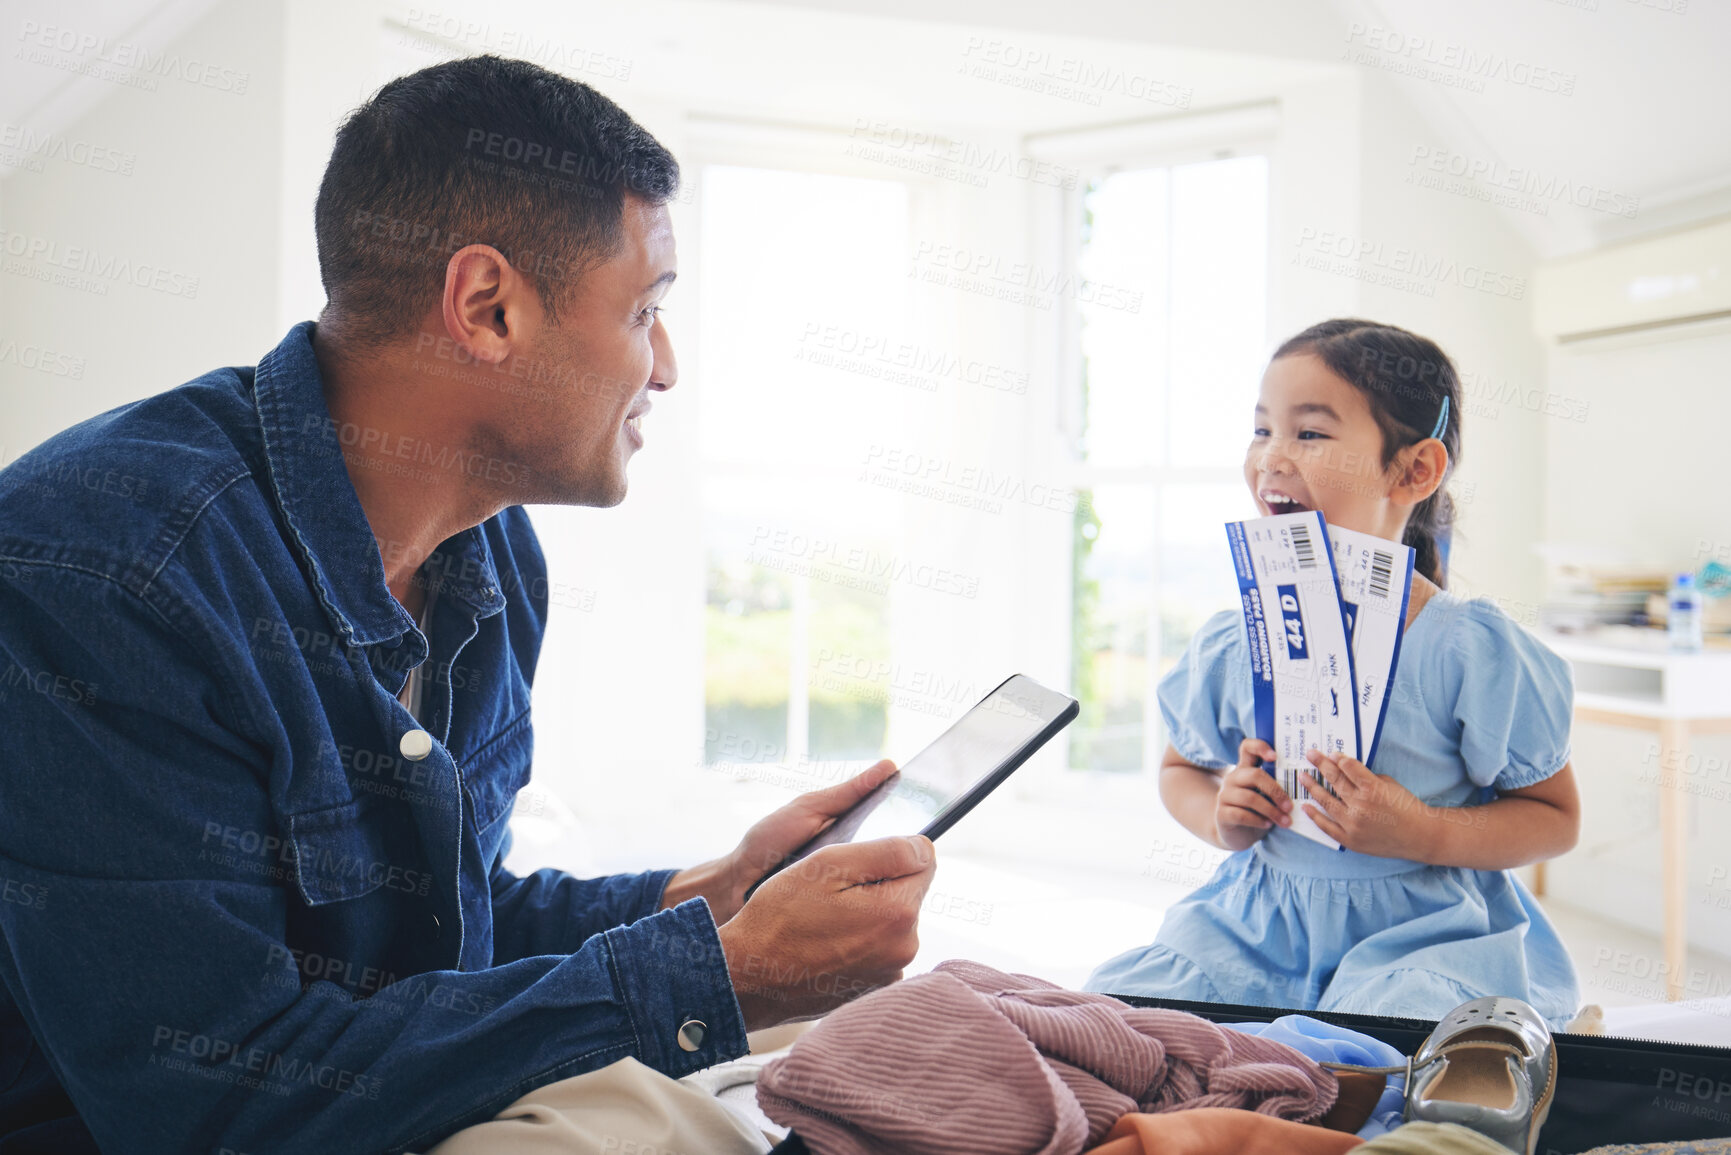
x: 1407, y: 380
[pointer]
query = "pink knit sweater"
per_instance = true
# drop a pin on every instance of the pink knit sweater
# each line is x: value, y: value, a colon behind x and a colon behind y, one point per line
x: 967, y: 1060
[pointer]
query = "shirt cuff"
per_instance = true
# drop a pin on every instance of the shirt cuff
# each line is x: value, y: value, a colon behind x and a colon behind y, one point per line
x: 673, y: 979
x: 655, y: 887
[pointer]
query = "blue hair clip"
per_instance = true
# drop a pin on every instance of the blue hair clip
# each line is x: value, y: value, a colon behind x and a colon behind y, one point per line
x: 1442, y: 420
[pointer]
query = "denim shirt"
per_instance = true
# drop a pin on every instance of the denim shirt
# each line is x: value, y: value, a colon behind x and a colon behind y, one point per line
x: 234, y: 913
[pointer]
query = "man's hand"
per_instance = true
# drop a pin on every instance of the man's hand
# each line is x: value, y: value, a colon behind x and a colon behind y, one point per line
x: 828, y: 929
x: 1369, y: 812
x: 724, y: 881
x: 1250, y: 801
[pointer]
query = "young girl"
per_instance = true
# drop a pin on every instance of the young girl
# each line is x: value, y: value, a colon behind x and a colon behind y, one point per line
x: 1419, y: 913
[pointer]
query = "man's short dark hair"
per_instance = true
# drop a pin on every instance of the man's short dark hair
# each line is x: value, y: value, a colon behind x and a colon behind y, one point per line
x: 482, y: 150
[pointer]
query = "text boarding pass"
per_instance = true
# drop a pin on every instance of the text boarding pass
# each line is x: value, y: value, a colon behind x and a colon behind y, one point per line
x: 1375, y: 588
x: 1300, y: 659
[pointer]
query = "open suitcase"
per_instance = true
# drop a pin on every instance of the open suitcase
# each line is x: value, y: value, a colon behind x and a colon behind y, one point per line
x: 1609, y: 1089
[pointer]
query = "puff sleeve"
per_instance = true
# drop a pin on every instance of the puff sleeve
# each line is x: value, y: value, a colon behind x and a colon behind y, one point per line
x: 1206, y: 700
x: 1513, y: 700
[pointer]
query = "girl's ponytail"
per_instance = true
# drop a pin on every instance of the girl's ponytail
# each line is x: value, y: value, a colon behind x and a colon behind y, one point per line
x: 1414, y: 393
x: 1428, y: 531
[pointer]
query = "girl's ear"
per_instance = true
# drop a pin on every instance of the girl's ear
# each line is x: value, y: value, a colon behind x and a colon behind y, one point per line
x: 1420, y: 472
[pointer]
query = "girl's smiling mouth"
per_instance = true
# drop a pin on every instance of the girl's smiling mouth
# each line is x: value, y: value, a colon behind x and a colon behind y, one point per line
x: 1277, y: 502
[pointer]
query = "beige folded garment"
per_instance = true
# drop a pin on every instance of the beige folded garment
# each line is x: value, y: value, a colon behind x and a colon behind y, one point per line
x: 625, y: 1108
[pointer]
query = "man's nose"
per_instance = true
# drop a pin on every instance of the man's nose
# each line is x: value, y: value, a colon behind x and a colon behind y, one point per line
x: 664, y: 373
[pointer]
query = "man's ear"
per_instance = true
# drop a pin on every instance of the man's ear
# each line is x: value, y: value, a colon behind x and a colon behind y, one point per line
x: 484, y: 304
x: 1421, y: 469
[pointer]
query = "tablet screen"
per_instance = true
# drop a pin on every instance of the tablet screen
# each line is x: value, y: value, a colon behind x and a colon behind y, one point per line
x: 943, y: 775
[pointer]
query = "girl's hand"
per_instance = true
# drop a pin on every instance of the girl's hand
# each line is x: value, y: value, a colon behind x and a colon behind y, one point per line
x: 1368, y: 812
x: 1250, y: 802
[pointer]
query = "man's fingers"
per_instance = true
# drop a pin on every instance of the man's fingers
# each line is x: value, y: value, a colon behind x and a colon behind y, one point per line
x: 881, y: 859
x: 837, y: 799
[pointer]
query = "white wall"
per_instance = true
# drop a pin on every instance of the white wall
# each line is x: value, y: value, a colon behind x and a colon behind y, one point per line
x: 1488, y: 335
x: 202, y: 203
x: 1644, y: 471
x: 1654, y: 412
x: 330, y: 61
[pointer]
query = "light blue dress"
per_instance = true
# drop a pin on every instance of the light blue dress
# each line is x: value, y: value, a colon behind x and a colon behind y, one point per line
x: 1477, y: 705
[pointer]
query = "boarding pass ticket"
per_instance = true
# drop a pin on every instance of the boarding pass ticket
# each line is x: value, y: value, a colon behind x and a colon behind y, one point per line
x: 1300, y: 659
x: 1375, y: 586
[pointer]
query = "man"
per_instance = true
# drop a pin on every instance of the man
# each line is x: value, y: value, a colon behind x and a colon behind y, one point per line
x: 266, y: 688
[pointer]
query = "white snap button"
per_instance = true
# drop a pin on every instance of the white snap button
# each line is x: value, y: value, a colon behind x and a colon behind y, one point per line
x: 691, y: 1034
x: 416, y: 744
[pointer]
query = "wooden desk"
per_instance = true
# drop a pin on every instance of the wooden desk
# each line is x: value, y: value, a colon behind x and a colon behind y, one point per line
x: 1623, y: 678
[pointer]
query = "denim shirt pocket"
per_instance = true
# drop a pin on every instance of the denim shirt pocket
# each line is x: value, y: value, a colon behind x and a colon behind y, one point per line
x: 497, y: 771
x: 338, y: 855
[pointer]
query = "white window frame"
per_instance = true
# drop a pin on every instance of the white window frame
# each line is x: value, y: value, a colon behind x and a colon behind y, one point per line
x: 1220, y: 134
x: 715, y: 140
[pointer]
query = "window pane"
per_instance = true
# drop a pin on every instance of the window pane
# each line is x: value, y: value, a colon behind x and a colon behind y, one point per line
x: 1219, y: 322
x: 1170, y: 384
x: 748, y: 632
x: 803, y: 286
x: 797, y: 636
x: 1196, y: 575
x: 1124, y: 349
x: 1114, y: 583
x: 850, y: 631
x: 1170, y: 377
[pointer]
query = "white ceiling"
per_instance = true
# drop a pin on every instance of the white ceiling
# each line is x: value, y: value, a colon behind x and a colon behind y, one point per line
x: 1649, y: 117
x: 801, y: 64
x: 1651, y: 107
x: 50, y: 100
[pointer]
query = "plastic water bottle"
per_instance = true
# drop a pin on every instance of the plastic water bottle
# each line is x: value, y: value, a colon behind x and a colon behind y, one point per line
x: 1683, y: 622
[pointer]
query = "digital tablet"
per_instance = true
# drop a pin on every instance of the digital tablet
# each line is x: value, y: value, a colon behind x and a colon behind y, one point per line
x: 933, y: 789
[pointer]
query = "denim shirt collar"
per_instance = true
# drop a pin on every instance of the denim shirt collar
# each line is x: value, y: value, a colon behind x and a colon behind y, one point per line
x: 326, y: 523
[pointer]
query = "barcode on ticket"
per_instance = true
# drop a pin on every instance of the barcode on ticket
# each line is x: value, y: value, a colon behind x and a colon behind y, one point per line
x: 1381, y: 573
x: 1302, y: 547
x: 1294, y: 785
